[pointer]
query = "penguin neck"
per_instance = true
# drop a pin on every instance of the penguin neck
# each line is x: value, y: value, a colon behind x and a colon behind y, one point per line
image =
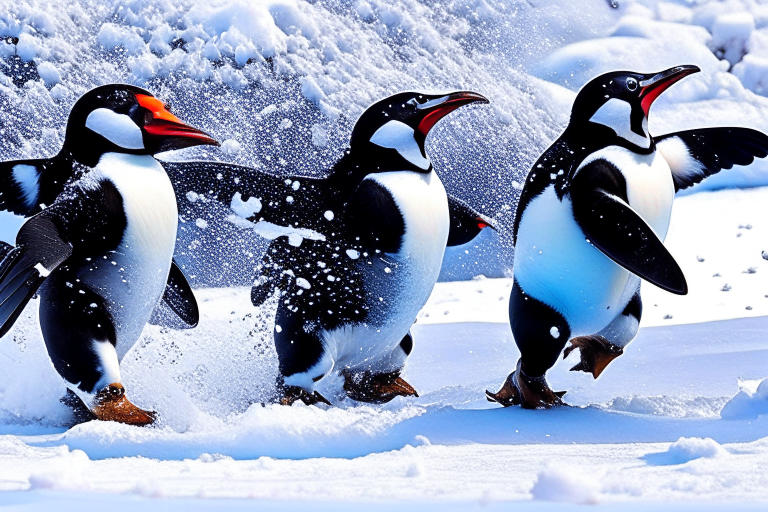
x: 586, y: 138
x: 357, y: 163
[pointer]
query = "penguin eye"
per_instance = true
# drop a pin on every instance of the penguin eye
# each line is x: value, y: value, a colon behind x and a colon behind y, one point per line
x: 631, y: 84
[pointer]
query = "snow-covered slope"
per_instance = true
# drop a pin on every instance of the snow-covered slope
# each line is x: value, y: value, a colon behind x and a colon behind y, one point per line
x: 280, y: 82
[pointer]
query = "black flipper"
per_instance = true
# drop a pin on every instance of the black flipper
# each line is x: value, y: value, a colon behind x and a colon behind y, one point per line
x: 600, y: 207
x: 253, y: 195
x: 39, y: 250
x: 5, y: 248
x: 695, y: 154
x: 179, y: 297
x: 466, y: 223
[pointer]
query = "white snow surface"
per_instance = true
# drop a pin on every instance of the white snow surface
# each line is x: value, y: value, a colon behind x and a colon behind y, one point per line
x: 680, y: 417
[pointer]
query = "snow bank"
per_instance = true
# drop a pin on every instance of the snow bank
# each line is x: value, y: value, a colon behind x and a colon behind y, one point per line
x: 750, y: 402
x: 687, y: 449
x: 570, y: 485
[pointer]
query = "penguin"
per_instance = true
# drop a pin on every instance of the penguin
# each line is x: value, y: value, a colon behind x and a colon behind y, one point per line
x: 355, y: 254
x: 99, y: 241
x: 591, y: 223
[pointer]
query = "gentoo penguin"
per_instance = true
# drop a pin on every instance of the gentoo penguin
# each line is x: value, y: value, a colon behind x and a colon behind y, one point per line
x: 100, y: 240
x: 591, y: 222
x: 356, y: 254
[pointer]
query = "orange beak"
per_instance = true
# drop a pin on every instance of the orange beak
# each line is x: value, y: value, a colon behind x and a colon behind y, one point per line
x: 165, y: 125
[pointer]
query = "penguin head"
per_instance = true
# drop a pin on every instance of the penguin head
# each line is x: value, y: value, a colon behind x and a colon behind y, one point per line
x: 621, y: 100
x: 126, y: 119
x: 392, y: 132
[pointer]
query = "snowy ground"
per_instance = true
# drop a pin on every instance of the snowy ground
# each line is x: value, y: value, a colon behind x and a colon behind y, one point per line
x: 677, y: 418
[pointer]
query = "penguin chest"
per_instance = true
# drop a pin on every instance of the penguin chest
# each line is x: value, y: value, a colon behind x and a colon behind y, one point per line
x: 557, y: 266
x: 133, y: 277
x: 650, y: 188
x: 399, y: 283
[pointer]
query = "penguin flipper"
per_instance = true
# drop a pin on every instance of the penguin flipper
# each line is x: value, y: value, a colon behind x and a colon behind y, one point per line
x: 39, y: 250
x: 251, y: 194
x: 693, y: 155
x: 610, y: 224
x: 180, y: 298
x: 466, y: 223
x: 20, y: 186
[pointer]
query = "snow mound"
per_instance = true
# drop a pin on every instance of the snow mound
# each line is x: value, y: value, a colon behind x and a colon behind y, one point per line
x: 297, y: 432
x: 687, y: 449
x: 569, y: 485
x: 750, y: 402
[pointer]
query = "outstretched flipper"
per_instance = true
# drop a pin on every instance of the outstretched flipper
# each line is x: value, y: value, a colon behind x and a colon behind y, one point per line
x: 693, y: 155
x: 40, y: 248
x: 600, y: 208
x: 251, y: 194
x: 466, y: 223
x: 179, y: 297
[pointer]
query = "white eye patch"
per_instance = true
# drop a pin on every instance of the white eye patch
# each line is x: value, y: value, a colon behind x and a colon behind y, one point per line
x: 616, y: 114
x: 399, y: 136
x: 116, y: 128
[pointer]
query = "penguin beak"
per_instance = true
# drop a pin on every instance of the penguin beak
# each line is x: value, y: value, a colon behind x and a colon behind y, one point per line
x: 652, y: 86
x: 484, y: 222
x: 170, y: 131
x: 435, y: 109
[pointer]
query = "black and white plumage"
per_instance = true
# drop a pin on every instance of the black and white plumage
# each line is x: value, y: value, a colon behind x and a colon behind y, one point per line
x: 355, y: 254
x: 591, y: 222
x: 100, y: 240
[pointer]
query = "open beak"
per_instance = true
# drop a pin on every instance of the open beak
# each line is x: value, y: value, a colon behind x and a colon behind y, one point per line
x: 165, y: 126
x: 436, y: 109
x: 652, y: 87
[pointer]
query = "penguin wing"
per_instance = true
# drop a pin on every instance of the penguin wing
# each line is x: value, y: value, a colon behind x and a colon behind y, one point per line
x: 20, y: 186
x: 179, y: 297
x: 466, y: 223
x: 600, y: 207
x: 693, y: 155
x: 251, y: 194
x: 39, y: 249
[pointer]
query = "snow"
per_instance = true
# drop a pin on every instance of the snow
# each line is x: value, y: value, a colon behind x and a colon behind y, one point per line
x: 680, y: 418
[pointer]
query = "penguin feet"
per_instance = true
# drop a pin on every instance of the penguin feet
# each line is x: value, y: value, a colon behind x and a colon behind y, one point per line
x: 293, y: 393
x: 376, y: 389
x: 596, y: 353
x: 508, y: 395
x: 80, y: 413
x: 528, y: 392
x: 111, y: 404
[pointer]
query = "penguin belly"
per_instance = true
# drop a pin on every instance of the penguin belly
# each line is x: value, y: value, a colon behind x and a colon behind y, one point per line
x: 555, y: 264
x: 132, y: 278
x: 398, y: 284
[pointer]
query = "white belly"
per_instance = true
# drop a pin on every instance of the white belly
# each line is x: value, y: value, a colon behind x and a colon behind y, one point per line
x: 555, y: 264
x: 133, y: 278
x: 650, y: 189
x: 412, y: 275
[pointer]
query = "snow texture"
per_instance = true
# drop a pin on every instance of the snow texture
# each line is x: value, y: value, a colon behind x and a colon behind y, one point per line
x: 681, y: 417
